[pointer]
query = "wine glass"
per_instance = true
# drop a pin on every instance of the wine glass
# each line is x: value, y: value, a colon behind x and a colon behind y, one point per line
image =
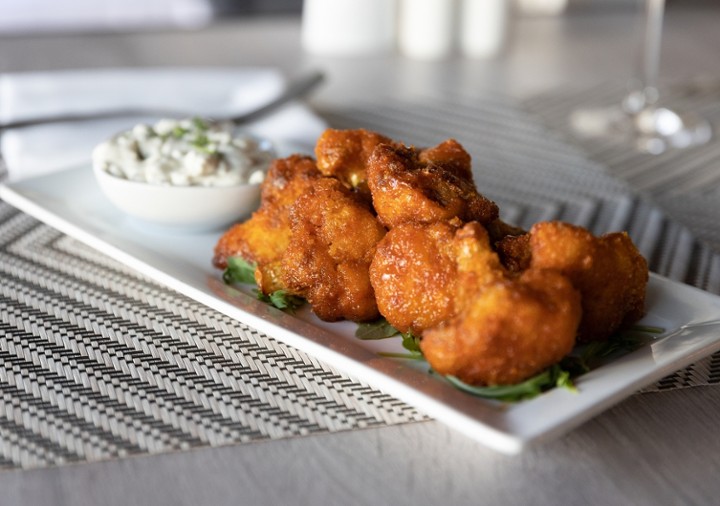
x: 641, y: 119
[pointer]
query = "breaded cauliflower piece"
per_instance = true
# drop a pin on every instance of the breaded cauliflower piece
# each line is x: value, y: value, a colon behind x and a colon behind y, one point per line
x: 450, y: 155
x: 262, y: 239
x: 344, y: 154
x: 511, y: 330
x: 417, y: 267
x: 334, y: 235
x: 414, y: 275
x: 406, y: 189
x: 609, y: 272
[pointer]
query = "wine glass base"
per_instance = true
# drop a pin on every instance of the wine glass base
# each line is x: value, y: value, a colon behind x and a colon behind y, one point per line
x: 653, y: 130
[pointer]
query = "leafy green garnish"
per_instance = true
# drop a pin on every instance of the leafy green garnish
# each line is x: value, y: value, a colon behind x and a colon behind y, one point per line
x: 408, y: 356
x: 281, y: 299
x: 411, y: 343
x: 239, y: 270
x: 555, y: 376
x: 647, y: 329
x: 625, y: 341
x: 378, y: 329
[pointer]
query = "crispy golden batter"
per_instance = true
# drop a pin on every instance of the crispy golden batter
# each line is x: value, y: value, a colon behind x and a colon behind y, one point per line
x: 327, y: 261
x: 499, y: 230
x: 344, y: 154
x: 608, y: 271
x: 492, y: 303
x: 263, y: 238
x: 478, y: 265
x: 514, y: 252
x: 444, y: 282
x: 450, y: 155
x: 414, y: 275
x: 511, y: 330
x: 422, y: 274
x: 407, y: 190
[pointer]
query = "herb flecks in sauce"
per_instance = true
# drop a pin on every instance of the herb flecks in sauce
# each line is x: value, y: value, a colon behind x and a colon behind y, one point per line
x: 189, y: 152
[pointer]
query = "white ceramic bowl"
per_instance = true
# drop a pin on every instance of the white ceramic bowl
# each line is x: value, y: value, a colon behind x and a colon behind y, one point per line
x: 192, y: 208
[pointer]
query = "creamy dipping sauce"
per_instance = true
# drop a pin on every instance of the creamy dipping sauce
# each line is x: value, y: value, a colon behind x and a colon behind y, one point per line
x: 189, y: 152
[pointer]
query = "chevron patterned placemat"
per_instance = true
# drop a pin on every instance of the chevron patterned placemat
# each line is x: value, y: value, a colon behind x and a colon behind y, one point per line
x: 684, y: 183
x: 98, y: 362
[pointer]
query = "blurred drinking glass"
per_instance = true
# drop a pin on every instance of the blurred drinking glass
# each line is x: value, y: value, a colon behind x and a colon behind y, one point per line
x: 640, y: 118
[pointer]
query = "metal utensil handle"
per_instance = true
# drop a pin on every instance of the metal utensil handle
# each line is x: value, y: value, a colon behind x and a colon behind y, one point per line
x: 296, y: 89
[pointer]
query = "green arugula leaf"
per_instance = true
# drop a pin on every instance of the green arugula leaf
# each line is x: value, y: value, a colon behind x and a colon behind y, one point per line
x: 564, y: 379
x: 378, y: 329
x: 647, y: 329
x: 411, y: 343
x: 509, y: 393
x: 626, y: 341
x: 239, y: 270
x: 281, y: 299
x: 555, y: 376
x: 408, y: 356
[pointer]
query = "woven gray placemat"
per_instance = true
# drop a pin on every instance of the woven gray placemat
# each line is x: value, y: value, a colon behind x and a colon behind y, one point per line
x: 98, y: 362
x: 684, y: 183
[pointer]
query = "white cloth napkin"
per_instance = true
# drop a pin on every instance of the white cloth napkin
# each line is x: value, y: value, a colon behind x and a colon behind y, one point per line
x: 207, y: 92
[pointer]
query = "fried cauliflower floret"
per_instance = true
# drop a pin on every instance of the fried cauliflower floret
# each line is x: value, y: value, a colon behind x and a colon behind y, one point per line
x: 477, y: 263
x: 443, y: 281
x: 511, y: 330
x: 450, y: 155
x: 414, y: 275
x: 344, y: 154
x: 499, y: 230
x: 407, y: 190
x: 416, y: 269
x: 329, y: 254
x: 609, y: 272
x: 263, y: 238
x: 514, y: 252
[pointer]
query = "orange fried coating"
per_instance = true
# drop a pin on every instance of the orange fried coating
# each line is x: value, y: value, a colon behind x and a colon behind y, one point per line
x: 514, y: 252
x: 407, y: 190
x: 344, y: 154
x: 609, y: 272
x: 511, y: 330
x: 414, y: 274
x: 478, y: 264
x: 450, y: 155
x: 422, y: 274
x: 327, y: 260
x: 263, y: 238
x: 499, y: 230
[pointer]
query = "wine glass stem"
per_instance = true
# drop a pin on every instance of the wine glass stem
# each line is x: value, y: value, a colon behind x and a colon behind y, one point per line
x: 654, y: 13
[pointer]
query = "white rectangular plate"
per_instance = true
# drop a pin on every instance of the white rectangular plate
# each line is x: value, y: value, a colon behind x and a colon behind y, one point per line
x: 71, y: 201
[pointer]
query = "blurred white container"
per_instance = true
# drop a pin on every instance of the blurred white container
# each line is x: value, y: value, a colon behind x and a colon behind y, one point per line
x: 426, y: 28
x: 483, y: 27
x: 348, y: 27
x: 541, y: 7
